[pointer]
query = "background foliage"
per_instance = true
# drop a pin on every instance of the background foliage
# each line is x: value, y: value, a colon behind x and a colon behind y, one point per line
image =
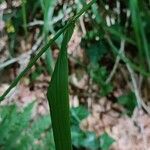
x: 115, y: 56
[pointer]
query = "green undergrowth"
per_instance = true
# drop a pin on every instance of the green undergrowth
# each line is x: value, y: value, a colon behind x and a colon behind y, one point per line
x: 105, y: 26
x: 20, y: 130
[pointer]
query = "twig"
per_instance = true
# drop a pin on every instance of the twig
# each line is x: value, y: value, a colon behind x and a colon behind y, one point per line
x: 22, y: 56
x: 129, y: 66
x: 135, y: 89
x: 116, y: 62
x: 82, y: 26
x: 35, y: 23
x: 140, y: 101
x: 55, y: 20
x: 122, y: 45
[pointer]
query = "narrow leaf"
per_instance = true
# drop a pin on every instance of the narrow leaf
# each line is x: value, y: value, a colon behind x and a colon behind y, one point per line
x: 140, y: 35
x: 58, y: 97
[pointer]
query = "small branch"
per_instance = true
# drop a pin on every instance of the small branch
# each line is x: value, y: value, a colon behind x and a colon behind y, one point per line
x: 55, y: 20
x: 116, y: 62
x: 124, y: 58
x: 13, y: 60
x: 129, y: 64
x: 140, y: 101
x: 82, y: 26
x: 36, y: 23
x: 122, y: 45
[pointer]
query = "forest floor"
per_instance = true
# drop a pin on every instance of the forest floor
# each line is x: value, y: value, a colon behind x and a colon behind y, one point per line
x: 106, y: 114
x: 130, y: 133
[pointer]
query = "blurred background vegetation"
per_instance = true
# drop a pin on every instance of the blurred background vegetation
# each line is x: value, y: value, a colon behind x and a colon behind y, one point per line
x: 109, y: 70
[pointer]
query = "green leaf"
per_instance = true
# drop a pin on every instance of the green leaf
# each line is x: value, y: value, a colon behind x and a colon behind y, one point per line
x: 77, y: 136
x: 78, y: 114
x: 95, y: 52
x: 40, y: 125
x: 13, y: 126
x: 129, y: 102
x: 90, y: 141
x: 106, y: 89
x: 84, y: 139
x: 106, y: 141
x: 81, y: 138
x: 99, y: 76
x: 58, y: 97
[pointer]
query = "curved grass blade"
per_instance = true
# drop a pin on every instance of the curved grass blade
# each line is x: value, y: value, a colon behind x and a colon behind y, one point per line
x: 58, y: 97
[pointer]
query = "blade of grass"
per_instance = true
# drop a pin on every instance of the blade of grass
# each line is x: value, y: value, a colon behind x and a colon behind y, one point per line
x: 119, y: 34
x: 83, y: 10
x: 24, y: 17
x: 58, y: 97
x: 45, y: 47
x: 32, y: 62
x: 48, y: 9
x: 49, y: 61
x: 139, y: 33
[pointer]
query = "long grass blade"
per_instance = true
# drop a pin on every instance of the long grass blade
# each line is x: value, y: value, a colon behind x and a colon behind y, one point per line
x: 139, y: 33
x: 48, y: 9
x: 45, y: 47
x: 24, y: 17
x: 58, y: 97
